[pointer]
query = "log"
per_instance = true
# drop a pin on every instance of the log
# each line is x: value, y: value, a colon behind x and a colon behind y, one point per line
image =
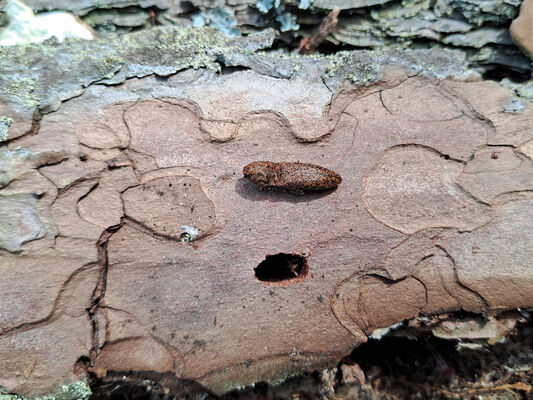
x: 131, y: 243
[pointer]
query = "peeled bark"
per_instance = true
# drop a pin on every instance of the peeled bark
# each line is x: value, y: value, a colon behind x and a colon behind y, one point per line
x: 130, y: 240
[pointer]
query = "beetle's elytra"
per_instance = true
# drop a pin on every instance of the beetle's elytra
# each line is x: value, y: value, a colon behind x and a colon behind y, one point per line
x: 293, y: 176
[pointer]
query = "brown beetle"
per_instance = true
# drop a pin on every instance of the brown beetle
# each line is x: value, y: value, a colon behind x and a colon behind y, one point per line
x: 293, y: 176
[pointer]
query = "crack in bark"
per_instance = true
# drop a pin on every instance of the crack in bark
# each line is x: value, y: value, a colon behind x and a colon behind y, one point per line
x: 426, y: 293
x: 34, y: 128
x: 443, y: 284
x: 465, y: 192
x: 100, y: 289
x: 35, y: 123
x: 338, y: 306
x: 91, y: 189
x: 108, y: 307
x: 462, y: 105
x: 131, y: 222
x: 323, y: 78
x: 54, y: 314
x: 279, y: 118
x: 383, y: 103
x: 123, y: 118
x: 468, y: 110
x: 485, y: 307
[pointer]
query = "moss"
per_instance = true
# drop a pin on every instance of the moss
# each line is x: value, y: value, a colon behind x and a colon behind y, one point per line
x: 74, y: 391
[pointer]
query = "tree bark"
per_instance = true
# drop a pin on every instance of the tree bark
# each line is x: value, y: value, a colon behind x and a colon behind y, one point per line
x: 130, y: 240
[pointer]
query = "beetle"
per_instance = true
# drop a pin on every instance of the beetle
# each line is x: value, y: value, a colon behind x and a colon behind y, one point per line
x: 293, y: 176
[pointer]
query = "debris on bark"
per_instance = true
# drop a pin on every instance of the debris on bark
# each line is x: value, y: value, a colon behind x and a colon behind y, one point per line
x: 328, y: 25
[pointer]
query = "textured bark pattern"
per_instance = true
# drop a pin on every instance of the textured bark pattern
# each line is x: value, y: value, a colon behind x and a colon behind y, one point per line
x: 433, y: 215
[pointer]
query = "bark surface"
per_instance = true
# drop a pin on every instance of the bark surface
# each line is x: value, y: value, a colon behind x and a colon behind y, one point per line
x: 130, y: 241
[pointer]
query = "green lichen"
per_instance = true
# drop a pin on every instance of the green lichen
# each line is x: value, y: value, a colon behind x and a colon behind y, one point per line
x: 361, y: 68
x: 5, y: 123
x: 405, y: 9
x: 525, y: 90
x: 295, y: 67
x: 80, y: 55
x: 367, y: 66
x: 74, y: 391
x: 75, y: 62
x: 22, y: 90
x: 109, y: 66
x: 336, y: 62
x: 478, y: 12
x: 162, y: 51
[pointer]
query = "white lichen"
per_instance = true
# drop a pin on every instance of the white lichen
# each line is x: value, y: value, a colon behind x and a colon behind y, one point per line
x: 379, y: 333
x: 514, y: 106
x: 192, y: 231
x: 26, y: 27
x: 5, y: 123
x: 74, y: 391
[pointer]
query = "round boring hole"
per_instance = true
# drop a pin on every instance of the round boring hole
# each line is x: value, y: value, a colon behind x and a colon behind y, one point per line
x: 185, y: 237
x: 282, y: 267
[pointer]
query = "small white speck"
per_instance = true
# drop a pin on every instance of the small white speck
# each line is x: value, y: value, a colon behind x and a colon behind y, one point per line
x: 190, y: 230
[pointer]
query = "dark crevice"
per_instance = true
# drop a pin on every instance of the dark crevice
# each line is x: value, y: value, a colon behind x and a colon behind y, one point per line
x: 146, y: 385
x: 143, y: 228
x: 383, y: 103
x: 408, y: 364
x: 498, y: 73
x: 35, y: 123
x: 228, y: 69
x: 389, y: 350
x: 428, y: 148
x: 34, y: 128
x: 433, y: 368
x: 99, y: 290
x: 471, y: 196
x: 426, y: 294
x: 92, y: 189
x: 81, y: 366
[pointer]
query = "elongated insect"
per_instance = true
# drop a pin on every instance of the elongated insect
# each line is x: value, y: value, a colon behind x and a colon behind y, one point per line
x: 293, y: 176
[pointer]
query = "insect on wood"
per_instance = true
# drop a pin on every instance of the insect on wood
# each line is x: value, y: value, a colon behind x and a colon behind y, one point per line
x: 292, y: 176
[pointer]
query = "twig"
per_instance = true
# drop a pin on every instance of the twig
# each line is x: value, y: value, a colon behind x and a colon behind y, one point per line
x: 524, y: 387
x: 521, y: 386
x: 328, y: 25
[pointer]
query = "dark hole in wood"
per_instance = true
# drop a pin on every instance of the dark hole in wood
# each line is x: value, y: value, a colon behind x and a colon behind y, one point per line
x: 281, y: 267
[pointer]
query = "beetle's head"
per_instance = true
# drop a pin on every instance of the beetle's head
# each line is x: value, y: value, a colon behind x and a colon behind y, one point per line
x: 260, y: 172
